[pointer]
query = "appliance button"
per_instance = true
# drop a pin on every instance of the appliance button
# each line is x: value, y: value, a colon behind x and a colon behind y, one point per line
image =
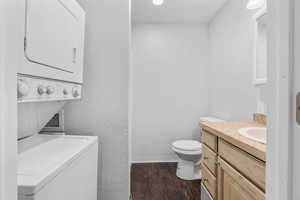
x: 65, y: 91
x: 76, y: 92
x: 50, y: 90
x: 41, y: 90
x: 23, y: 88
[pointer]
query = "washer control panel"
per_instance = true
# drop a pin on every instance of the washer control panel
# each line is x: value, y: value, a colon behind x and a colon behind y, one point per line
x: 35, y: 90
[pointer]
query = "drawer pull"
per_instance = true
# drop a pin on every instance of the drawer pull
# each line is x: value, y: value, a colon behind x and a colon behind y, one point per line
x: 205, y: 158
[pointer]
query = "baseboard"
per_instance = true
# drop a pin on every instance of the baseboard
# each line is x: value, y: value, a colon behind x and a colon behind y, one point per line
x: 154, y: 161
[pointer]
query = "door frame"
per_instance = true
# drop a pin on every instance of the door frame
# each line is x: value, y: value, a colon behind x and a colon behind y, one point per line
x: 10, y: 43
x: 279, y: 98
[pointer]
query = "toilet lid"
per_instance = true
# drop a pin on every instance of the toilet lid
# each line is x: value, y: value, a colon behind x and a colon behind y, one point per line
x: 187, y: 145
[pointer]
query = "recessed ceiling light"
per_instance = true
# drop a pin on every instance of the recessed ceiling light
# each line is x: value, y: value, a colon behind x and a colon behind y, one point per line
x: 255, y: 4
x: 158, y: 2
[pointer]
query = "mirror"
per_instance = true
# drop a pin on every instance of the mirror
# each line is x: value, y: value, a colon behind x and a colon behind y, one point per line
x: 260, y: 47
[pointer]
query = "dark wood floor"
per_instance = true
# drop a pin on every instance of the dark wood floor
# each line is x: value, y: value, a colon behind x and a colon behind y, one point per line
x: 159, y: 182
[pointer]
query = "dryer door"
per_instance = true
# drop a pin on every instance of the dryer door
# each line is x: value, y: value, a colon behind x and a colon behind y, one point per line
x: 54, y: 35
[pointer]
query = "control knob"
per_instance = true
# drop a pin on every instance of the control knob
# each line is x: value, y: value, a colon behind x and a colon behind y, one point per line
x: 76, y: 92
x: 41, y: 90
x: 50, y: 90
x: 65, y: 91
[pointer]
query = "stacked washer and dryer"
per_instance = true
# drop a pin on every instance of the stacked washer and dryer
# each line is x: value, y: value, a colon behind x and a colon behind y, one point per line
x: 53, y: 167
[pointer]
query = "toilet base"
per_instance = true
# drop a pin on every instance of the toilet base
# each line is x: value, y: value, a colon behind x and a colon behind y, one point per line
x: 188, y: 170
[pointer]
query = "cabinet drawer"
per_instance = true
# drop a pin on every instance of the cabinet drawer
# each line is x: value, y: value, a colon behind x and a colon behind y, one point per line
x: 209, y: 181
x: 210, y: 140
x: 209, y: 159
x: 249, y: 166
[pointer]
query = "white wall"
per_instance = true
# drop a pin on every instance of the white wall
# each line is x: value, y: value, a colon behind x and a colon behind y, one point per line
x: 170, y: 68
x: 10, y: 43
x: 232, y: 94
x: 296, y: 89
x: 280, y: 101
x: 103, y: 111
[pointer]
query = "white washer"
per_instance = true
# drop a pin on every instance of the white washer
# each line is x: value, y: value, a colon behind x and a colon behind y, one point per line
x: 57, y: 168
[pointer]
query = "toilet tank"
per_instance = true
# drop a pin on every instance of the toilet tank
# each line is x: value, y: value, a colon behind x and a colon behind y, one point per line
x: 210, y: 119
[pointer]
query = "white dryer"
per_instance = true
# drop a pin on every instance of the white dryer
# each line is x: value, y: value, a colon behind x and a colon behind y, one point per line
x: 57, y: 168
x: 53, y: 39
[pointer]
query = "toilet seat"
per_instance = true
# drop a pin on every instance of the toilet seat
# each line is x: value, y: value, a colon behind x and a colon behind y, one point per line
x: 187, y: 146
x: 187, y: 152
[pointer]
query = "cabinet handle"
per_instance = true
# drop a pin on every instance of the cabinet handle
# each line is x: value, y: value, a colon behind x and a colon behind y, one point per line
x: 298, y: 108
x: 205, y: 158
x: 74, y: 55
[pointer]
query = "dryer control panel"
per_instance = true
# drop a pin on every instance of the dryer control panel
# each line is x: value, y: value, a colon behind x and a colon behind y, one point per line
x: 31, y: 89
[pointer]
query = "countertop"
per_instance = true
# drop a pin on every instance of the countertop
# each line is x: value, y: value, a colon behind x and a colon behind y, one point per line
x: 229, y: 132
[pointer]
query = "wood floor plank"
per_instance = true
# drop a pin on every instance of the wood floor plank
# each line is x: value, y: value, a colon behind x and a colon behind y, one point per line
x: 158, y: 181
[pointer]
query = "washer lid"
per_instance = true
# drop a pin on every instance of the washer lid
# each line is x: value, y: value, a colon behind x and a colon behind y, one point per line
x: 43, y: 157
x: 188, y: 145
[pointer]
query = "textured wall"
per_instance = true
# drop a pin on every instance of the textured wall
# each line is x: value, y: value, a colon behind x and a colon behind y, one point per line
x: 232, y: 94
x: 170, y: 83
x: 10, y: 47
x: 103, y: 111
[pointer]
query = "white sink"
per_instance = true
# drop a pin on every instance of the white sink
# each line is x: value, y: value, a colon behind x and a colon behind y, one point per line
x: 255, y: 133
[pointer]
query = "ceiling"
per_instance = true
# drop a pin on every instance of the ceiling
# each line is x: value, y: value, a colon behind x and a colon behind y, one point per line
x: 175, y: 11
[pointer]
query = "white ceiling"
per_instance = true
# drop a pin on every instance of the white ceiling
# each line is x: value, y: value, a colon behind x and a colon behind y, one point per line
x: 175, y: 11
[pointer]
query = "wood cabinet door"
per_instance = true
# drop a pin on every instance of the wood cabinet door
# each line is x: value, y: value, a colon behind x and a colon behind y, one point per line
x: 233, y: 186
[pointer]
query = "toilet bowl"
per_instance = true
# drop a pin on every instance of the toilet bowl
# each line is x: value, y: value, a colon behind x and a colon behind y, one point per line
x: 190, y: 153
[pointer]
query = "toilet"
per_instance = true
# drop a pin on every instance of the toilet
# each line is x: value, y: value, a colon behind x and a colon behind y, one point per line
x: 189, y: 153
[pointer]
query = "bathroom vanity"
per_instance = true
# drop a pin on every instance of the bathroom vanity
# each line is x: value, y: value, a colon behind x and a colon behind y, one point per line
x: 233, y: 166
